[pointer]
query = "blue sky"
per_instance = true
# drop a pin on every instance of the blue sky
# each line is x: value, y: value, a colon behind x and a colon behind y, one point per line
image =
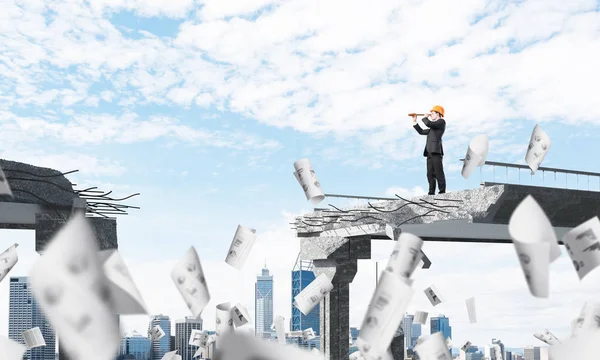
x: 203, y: 107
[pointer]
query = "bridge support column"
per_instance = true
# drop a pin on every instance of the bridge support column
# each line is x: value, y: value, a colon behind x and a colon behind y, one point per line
x: 47, y: 225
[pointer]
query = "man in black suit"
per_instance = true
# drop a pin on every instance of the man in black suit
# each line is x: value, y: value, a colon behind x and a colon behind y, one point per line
x: 434, y: 151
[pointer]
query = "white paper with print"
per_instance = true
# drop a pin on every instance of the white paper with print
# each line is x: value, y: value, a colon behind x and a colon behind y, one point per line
x: 307, y: 178
x: 476, y: 155
x: 241, y: 245
x: 471, y: 311
x: 11, y: 350
x: 4, y: 187
x: 128, y: 299
x: 309, y: 334
x: 8, y: 259
x: 583, y: 245
x: 156, y: 333
x: 170, y: 355
x: 433, y: 295
x: 466, y: 346
x: 279, y: 326
x: 547, y: 337
x: 539, y: 145
x: 421, y: 317
x: 224, y: 322
x: 239, y: 346
x: 535, y: 243
x: 433, y: 347
x: 189, y: 279
x: 198, y: 338
x: 72, y: 290
x: 406, y: 255
x: 384, y: 315
x: 33, y: 338
x: 240, y: 315
x: 312, y: 295
x: 582, y: 347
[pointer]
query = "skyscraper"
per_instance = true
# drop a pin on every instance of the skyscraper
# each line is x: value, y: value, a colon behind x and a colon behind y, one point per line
x: 263, y: 303
x: 415, y: 333
x: 441, y: 324
x: 407, y: 326
x: 162, y: 346
x: 532, y: 353
x: 23, y: 314
x: 136, y: 346
x: 302, y: 276
x: 183, y: 331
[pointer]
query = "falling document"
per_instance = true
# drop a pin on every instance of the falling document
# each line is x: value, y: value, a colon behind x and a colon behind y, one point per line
x: 476, y: 155
x: 240, y: 248
x: 126, y: 296
x: 224, y: 322
x: 240, y: 315
x: 33, y: 338
x: 384, y: 315
x: 170, y: 355
x: 582, y: 347
x: 421, y: 317
x: 307, y: 178
x: 433, y: 295
x: 536, y: 244
x: 433, y: 347
x: 471, y: 310
x: 4, y: 187
x: 8, y: 259
x: 547, y: 337
x: 583, y: 245
x: 156, y: 333
x: 312, y: 295
x: 539, y: 144
x: 11, y: 350
x: 406, y: 255
x: 189, y: 279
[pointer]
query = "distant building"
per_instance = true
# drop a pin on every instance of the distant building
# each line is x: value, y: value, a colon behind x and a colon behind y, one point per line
x: 24, y: 313
x: 415, y: 332
x: 302, y: 276
x: 183, y: 331
x: 441, y: 324
x: 263, y: 304
x: 354, y: 334
x: 162, y: 346
x: 135, y: 346
x: 532, y: 353
x: 407, y: 327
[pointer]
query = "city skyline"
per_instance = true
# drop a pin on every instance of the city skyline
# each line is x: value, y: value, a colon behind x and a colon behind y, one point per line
x: 202, y: 107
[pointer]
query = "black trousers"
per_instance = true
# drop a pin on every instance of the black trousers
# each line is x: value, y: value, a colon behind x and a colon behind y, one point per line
x: 435, y: 171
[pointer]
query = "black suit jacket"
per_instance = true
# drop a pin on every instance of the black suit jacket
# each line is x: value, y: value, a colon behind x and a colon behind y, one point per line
x: 434, y: 136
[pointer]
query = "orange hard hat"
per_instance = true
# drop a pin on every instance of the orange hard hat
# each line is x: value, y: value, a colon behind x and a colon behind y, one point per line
x: 439, y: 109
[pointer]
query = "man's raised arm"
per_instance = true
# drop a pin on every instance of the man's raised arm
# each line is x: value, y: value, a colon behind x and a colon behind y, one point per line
x: 417, y: 127
x: 440, y: 124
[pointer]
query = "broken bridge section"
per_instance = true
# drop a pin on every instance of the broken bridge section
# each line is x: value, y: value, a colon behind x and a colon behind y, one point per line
x: 334, y: 239
x: 44, y: 199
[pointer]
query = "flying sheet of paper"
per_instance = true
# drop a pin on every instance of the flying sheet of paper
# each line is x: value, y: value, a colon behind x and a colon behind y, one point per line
x: 471, y: 310
x: 241, y: 245
x: 309, y: 334
x: 538, y: 148
x: 582, y: 347
x: 476, y: 155
x: 170, y: 355
x: 307, y: 178
x: 421, y: 317
x: 547, y: 337
x: 177, y: 357
x: 583, y: 245
x: 536, y: 244
x: 312, y: 295
x: 589, y: 317
x: 224, y: 322
x: 239, y: 346
x: 406, y: 255
x: 156, y: 333
x: 433, y: 347
x: 8, y: 259
x: 11, y: 350
x: 433, y: 295
x: 33, y: 338
x: 4, y: 187
x: 240, y: 315
x: 465, y: 347
x: 189, y: 279
x: 198, y: 338
x: 127, y: 297
x: 199, y: 353
x: 69, y: 283
x: 278, y: 324
x: 384, y: 315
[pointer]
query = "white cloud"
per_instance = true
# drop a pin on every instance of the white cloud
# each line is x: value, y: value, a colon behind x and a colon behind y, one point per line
x: 405, y: 193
